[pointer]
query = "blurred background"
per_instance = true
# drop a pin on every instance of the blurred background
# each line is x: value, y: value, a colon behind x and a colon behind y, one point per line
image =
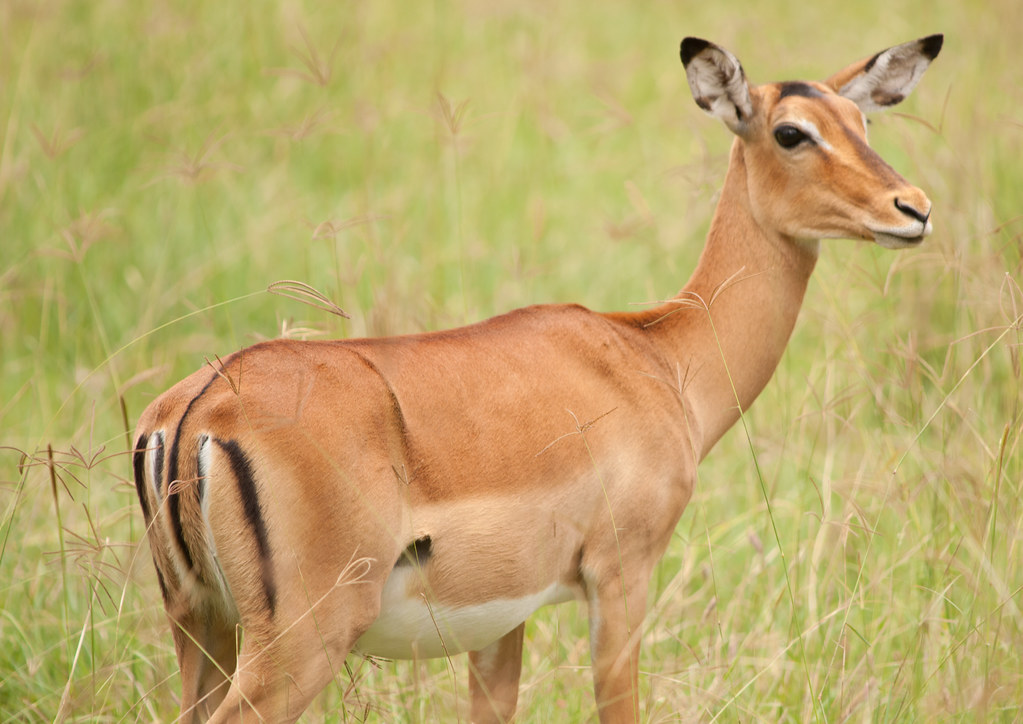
x: 429, y: 165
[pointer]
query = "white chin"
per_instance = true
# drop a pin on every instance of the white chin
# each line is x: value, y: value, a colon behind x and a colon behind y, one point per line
x: 901, y: 241
x: 890, y: 241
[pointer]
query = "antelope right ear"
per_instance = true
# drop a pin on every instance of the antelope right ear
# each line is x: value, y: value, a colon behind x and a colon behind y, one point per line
x: 718, y: 83
x: 887, y: 78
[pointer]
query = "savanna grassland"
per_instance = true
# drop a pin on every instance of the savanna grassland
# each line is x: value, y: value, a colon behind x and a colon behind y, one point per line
x: 851, y: 554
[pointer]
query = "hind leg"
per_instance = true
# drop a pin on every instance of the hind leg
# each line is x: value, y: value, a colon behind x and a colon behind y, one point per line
x: 207, y: 658
x: 282, y: 670
x: 219, y: 665
x: 262, y: 691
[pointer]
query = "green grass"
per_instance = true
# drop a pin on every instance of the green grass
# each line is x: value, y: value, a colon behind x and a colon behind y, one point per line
x: 429, y: 165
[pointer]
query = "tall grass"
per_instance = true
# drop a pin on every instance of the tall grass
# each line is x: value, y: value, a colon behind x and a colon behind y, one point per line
x: 425, y: 166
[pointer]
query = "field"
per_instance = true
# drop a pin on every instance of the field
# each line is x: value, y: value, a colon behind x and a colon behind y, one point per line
x: 852, y: 552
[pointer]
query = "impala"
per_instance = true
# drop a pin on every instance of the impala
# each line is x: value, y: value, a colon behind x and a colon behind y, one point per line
x: 422, y: 495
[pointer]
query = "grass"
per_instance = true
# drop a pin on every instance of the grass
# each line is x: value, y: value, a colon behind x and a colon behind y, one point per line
x: 162, y: 164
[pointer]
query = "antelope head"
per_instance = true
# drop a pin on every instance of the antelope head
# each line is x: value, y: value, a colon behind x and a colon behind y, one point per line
x: 810, y: 172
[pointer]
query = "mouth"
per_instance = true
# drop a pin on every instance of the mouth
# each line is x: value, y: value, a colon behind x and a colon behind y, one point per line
x: 901, y: 238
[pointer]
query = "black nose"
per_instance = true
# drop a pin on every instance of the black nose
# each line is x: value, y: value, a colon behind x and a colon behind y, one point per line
x: 910, y: 211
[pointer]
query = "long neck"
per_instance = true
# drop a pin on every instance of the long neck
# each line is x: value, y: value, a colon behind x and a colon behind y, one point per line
x: 731, y: 322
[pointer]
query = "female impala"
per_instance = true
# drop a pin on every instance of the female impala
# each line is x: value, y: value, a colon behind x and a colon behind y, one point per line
x: 419, y: 496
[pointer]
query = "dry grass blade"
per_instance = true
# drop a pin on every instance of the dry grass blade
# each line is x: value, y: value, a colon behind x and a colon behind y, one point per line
x: 692, y: 300
x: 302, y: 292
x: 330, y: 228
x: 81, y: 234
x: 56, y: 143
x: 320, y: 68
x: 195, y: 168
x: 222, y: 373
x: 309, y: 124
x: 452, y: 115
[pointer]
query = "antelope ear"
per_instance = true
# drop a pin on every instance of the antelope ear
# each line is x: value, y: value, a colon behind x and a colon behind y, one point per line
x: 718, y: 83
x: 888, y: 77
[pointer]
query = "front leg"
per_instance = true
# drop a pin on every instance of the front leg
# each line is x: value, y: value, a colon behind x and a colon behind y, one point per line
x: 617, y: 606
x: 494, y: 678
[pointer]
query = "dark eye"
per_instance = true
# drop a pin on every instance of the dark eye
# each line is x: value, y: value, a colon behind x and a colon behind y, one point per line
x: 789, y: 136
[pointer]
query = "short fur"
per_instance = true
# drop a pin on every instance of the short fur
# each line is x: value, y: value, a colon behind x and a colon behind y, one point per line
x: 544, y: 453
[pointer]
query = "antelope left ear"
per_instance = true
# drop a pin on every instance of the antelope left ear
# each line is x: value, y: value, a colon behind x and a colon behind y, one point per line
x: 888, y: 77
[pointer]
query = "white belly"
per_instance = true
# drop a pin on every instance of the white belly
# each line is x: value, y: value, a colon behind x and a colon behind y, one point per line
x: 409, y: 628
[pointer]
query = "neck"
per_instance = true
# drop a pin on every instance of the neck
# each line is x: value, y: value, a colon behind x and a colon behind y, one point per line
x: 730, y: 324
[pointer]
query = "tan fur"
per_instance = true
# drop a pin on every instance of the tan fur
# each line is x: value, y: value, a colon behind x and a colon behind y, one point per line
x: 548, y: 449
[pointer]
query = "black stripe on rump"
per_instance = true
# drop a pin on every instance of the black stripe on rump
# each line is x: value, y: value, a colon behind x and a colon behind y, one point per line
x: 174, y: 497
x: 138, y: 459
x: 158, y: 464
x: 139, y: 464
x: 242, y: 469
